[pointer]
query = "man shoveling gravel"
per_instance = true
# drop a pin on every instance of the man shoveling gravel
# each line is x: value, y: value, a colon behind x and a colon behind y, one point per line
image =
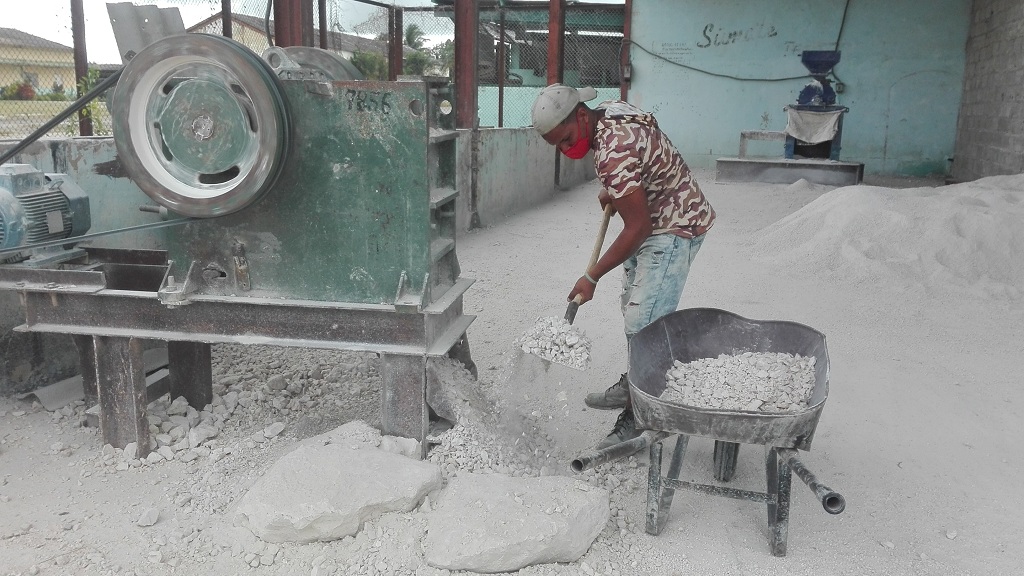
x: 665, y: 215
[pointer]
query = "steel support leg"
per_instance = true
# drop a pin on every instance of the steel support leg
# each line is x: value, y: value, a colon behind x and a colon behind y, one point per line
x: 460, y: 351
x: 121, y: 384
x: 87, y: 367
x: 404, y: 409
x: 779, y: 479
x: 191, y: 372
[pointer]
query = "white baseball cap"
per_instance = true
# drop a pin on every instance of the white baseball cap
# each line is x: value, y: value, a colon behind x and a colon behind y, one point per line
x: 555, y: 103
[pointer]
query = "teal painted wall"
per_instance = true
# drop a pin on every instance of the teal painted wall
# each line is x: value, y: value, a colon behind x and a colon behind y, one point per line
x: 114, y: 199
x: 902, y: 68
x: 518, y: 101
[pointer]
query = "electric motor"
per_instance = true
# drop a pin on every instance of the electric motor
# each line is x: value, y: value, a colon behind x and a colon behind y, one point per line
x: 37, y: 207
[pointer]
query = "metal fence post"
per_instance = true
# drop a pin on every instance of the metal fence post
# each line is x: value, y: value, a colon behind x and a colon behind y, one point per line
x: 81, y: 63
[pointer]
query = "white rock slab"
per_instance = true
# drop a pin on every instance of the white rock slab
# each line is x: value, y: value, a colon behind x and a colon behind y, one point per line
x: 324, y: 492
x: 495, y: 523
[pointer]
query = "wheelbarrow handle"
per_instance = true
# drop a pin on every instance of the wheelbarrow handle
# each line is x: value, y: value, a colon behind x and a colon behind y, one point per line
x: 616, y: 451
x: 832, y: 501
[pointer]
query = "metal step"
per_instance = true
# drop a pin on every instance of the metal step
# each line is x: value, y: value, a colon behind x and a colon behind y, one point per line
x: 788, y: 171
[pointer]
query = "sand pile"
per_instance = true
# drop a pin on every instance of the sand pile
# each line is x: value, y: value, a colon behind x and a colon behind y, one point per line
x: 963, y: 236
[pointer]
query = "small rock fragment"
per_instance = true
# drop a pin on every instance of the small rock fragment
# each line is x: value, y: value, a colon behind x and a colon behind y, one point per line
x: 273, y: 430
x: 149, y: 517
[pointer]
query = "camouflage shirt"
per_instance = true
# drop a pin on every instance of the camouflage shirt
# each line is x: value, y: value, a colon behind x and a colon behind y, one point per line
x: 633, y: 154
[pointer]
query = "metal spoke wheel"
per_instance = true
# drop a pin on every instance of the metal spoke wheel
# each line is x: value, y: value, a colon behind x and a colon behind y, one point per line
x: 200, y: 124
x: 725, y: 460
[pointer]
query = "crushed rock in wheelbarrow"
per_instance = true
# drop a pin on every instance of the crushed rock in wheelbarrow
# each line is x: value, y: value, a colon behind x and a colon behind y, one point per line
x: 753, y: 381
x: 556, y: 340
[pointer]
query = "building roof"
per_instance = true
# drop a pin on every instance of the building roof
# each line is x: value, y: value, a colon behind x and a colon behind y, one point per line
x: 18, y: 39
x: 337, y: 41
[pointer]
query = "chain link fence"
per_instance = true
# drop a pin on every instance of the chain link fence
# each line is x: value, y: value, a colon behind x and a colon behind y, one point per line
x: 37, y: 63
x: 38, y: 80
x: 513, y: 56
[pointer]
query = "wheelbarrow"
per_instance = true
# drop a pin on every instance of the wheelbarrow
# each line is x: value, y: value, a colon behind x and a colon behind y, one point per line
x: 696, y: 333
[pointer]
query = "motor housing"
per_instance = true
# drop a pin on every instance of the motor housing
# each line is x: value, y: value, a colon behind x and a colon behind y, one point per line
x: 39, y: 207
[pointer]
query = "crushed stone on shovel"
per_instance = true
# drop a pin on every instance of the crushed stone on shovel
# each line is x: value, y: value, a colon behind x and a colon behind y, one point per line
x: 753, y: 381
x: 556, y: 340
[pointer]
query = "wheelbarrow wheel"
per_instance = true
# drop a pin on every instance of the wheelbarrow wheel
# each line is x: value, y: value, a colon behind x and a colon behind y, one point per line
x: 725, y: 460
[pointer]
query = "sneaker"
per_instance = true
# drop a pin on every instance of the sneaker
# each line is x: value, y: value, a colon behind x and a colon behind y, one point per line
x: 624, y: 429
x: 613, y: 398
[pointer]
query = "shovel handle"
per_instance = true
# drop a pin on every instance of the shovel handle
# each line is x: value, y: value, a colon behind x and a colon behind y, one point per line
x: 570, y: 312
x: 600, y: 237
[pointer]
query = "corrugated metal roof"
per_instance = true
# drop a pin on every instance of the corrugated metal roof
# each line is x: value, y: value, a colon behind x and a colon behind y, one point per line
x: 17, y: 38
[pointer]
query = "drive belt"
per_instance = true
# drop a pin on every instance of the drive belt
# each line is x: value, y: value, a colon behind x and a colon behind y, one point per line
x: 77, y: 239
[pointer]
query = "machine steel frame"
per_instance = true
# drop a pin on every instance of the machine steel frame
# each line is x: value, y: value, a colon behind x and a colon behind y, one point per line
x: 109, y: 324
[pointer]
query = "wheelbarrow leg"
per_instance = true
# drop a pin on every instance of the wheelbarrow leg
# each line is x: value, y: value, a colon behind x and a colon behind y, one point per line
x: 725, y: 459
x: 659, y: 497
x: 779, y: 478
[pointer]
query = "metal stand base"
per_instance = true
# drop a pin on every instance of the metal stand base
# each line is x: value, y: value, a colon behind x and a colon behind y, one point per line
x: 788, y: 171
x: 661, y: 489
x: 110, y: 325
x: 114, y: 374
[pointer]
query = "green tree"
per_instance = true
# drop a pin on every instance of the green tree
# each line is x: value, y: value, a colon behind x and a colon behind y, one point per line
x: 417, y: 63
x: 414, y: 36
x: 444, y: 57
x: 374, y: 66
x: 92, y: 109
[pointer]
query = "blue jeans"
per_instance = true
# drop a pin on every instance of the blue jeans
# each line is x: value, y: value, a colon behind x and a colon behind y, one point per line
x: 654, y: 278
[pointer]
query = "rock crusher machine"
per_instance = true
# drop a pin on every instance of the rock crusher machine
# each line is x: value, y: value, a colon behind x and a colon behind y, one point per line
x: 304, y: 209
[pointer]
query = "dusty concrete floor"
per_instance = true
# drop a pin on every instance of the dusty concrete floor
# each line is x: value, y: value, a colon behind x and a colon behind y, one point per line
x: 918, y: 433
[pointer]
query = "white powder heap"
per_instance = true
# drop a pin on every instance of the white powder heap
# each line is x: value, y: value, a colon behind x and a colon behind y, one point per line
x: 556, y: 340
x: 953, y: 238
x: 753, y: 381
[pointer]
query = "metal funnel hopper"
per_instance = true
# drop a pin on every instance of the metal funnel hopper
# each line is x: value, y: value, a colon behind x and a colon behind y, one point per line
x: 819, y: 62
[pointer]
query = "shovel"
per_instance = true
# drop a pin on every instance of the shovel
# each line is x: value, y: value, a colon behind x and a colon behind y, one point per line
x: 570, y: 312
x: 574, y: 305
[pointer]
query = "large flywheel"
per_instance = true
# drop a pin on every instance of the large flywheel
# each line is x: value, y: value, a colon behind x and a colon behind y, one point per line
x: 200, y: 124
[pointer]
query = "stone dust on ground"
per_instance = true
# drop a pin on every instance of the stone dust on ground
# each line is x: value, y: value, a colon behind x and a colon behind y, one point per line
x: 917, y: 290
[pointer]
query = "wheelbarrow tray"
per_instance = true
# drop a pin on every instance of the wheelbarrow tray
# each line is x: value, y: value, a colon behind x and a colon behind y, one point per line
x: 696, y: 333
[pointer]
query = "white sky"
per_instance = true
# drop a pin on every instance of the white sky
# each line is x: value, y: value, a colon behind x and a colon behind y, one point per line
x: 51, y: 19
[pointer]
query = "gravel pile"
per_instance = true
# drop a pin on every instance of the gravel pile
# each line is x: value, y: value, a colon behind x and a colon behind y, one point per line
x: 265, y: 399
x: 752, y: 381
x: 556, y: 340
x: 268, y: 398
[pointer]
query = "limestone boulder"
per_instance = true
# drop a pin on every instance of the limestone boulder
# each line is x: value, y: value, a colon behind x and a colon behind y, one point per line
x: 495, y: 523
x: 322, y: 492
